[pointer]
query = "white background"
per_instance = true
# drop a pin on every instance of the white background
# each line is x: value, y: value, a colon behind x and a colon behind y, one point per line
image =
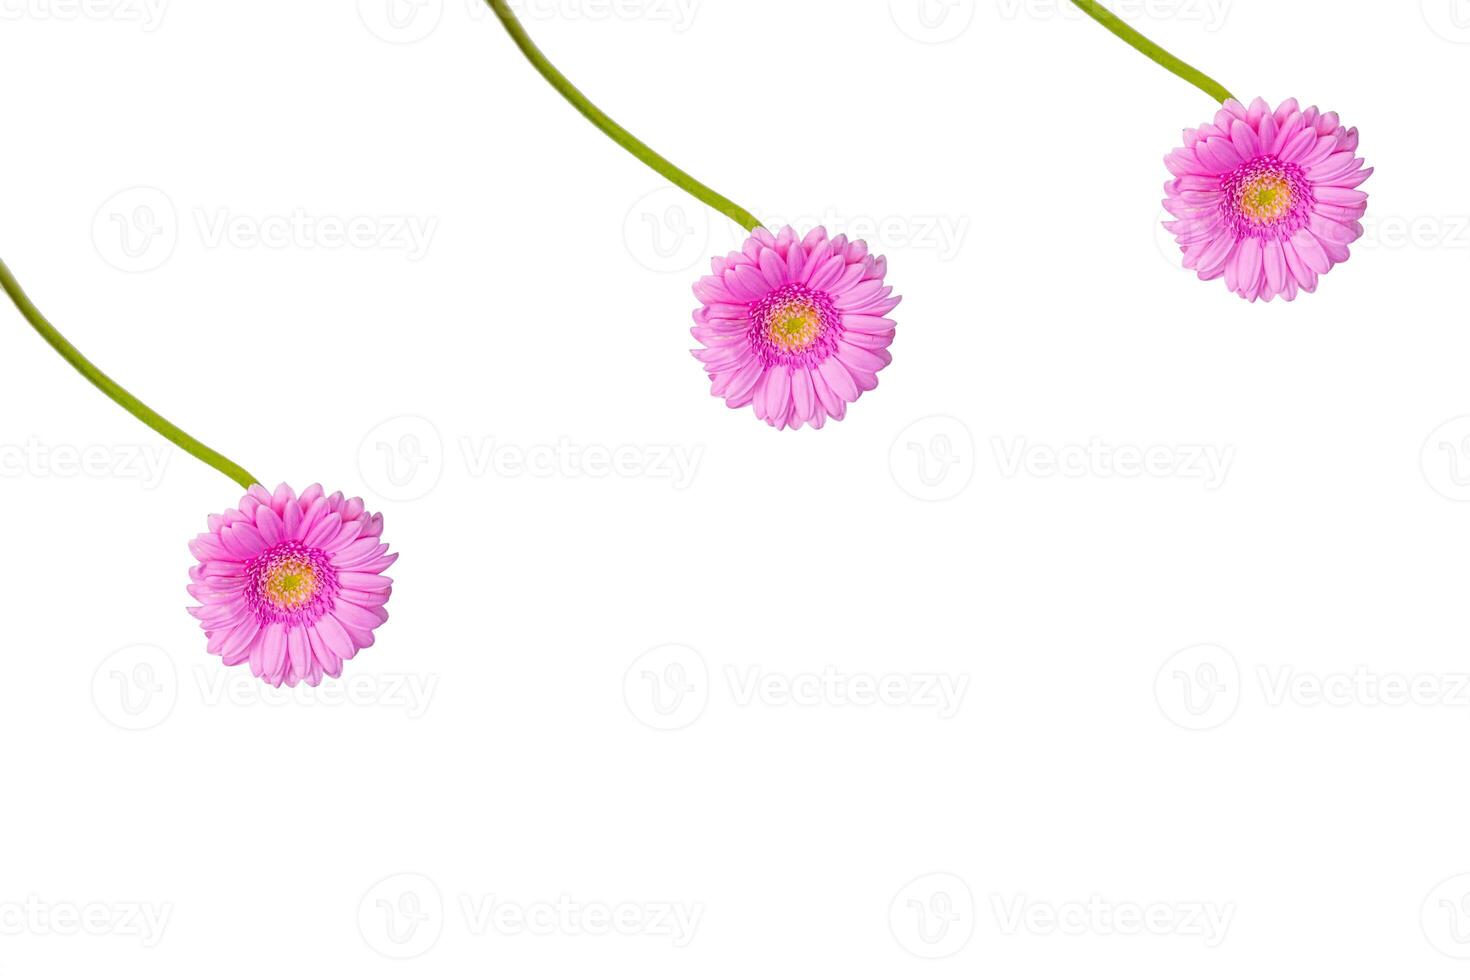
x: 1270, y: 800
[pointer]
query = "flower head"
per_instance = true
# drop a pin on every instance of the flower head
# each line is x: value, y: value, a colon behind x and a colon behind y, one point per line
x: 1268, y: 200
x: 795, y: 328
x: 291, y: 585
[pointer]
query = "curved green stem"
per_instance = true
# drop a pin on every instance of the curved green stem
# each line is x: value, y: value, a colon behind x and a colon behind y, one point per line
x: 1151, y: 50
x: 618, y: 134
x: 116, y: 391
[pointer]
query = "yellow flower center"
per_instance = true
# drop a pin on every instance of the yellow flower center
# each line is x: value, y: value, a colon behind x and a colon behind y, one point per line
x: 292, y: 585
x: 1265, y: 199
x: 795, y: 326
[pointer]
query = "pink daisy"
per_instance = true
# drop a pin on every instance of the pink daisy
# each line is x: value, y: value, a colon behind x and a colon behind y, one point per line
x: 292, y: 585
x: 1268, y: 200
x: 795, y: 329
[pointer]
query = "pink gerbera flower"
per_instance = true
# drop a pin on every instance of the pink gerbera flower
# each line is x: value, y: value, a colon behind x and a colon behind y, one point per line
x: 1268, y: 200
x: 292, y: 585
x: 795, y: 329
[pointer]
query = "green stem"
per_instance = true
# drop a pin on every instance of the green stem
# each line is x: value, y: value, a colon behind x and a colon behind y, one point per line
x: 618, y: 134
x: 1151, y: 50
x: 116, y: 391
